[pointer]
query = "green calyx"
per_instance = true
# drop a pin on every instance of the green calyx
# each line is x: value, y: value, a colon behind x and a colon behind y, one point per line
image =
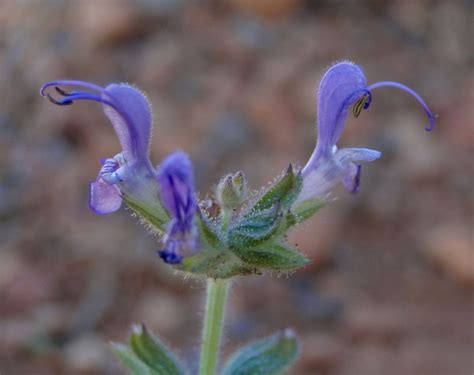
x: 251, y: 240
x: 242, y: 241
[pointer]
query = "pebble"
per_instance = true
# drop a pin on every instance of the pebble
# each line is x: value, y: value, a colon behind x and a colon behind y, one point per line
x: 450, y: 247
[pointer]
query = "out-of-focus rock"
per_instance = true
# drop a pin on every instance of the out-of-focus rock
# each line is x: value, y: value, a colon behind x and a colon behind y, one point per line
x: 17, y: 332
x: 160, y: 312
x: 50, y: 318
x: 367, y: 324
x: 321, y: 353
x: 417, y: 153
x: 316, y: 237
x: 105, y: 22
x: 27, y: 287
x: 10, y: 265
x: 86, y: 352
x: 451, y: 249
x: 268, y: 9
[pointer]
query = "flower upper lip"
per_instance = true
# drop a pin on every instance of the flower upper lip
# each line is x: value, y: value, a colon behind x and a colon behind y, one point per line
x: 126, y: 107
x: 341, y: 86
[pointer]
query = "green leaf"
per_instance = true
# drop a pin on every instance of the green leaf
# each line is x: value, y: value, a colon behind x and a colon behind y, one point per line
x: 283, y: 192
x: 274, y: 256
x: 269, y: 356
x: 129, y: 360
x: 253, y: 230
x: 154, y: 353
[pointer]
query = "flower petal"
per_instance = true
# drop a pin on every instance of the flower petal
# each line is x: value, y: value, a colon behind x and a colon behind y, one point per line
x: 176, y: 185
x: 351, y: 180
x: 126, y: 107
x: 170, y: 253
x: 345, y: 155
x: 104, y: 198
x: 341, y: 86
x: 349, y: 159
x: 130, y: 115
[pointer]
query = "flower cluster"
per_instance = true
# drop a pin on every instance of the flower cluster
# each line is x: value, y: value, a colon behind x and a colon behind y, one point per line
x: 250, y: 240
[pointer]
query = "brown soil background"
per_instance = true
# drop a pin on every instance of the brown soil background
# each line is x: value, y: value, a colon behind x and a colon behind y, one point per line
x: 232, y: 83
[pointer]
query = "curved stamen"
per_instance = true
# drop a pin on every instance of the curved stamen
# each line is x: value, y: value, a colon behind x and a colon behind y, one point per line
x: 62, y: 92
x: 63, y: 101
x: 69, y: 98
x: 83, y: 84
x: 431, y: 116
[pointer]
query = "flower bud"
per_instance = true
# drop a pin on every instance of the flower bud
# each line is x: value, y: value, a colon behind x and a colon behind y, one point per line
x: 231, y: 191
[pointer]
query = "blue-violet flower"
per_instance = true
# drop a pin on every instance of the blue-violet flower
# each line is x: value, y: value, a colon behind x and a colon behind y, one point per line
x: 342, y: 86
x: 176, y: 185
x: 128, y: 175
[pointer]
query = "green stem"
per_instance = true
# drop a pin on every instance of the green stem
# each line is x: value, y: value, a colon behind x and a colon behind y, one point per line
x: 213, y: 321
x: 226, y: 216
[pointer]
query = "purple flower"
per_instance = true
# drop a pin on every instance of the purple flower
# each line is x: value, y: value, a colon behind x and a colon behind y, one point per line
x: 344, y: 85
x: 176, y: 185
x: 128, y: 175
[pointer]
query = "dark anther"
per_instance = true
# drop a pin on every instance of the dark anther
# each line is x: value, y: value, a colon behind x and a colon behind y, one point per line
x: 58, y: 102
x: 362, y: 103
x: 369, y: 100
x: 61, y: 91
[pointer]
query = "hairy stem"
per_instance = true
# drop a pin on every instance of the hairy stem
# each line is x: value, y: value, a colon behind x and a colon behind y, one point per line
x: 226, y: 216
x: 213, y: 322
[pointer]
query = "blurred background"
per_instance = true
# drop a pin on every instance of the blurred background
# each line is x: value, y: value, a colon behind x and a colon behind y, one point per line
x: 233, y: 84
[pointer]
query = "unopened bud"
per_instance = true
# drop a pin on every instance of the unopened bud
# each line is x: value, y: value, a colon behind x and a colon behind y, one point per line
x: 231, y: 190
